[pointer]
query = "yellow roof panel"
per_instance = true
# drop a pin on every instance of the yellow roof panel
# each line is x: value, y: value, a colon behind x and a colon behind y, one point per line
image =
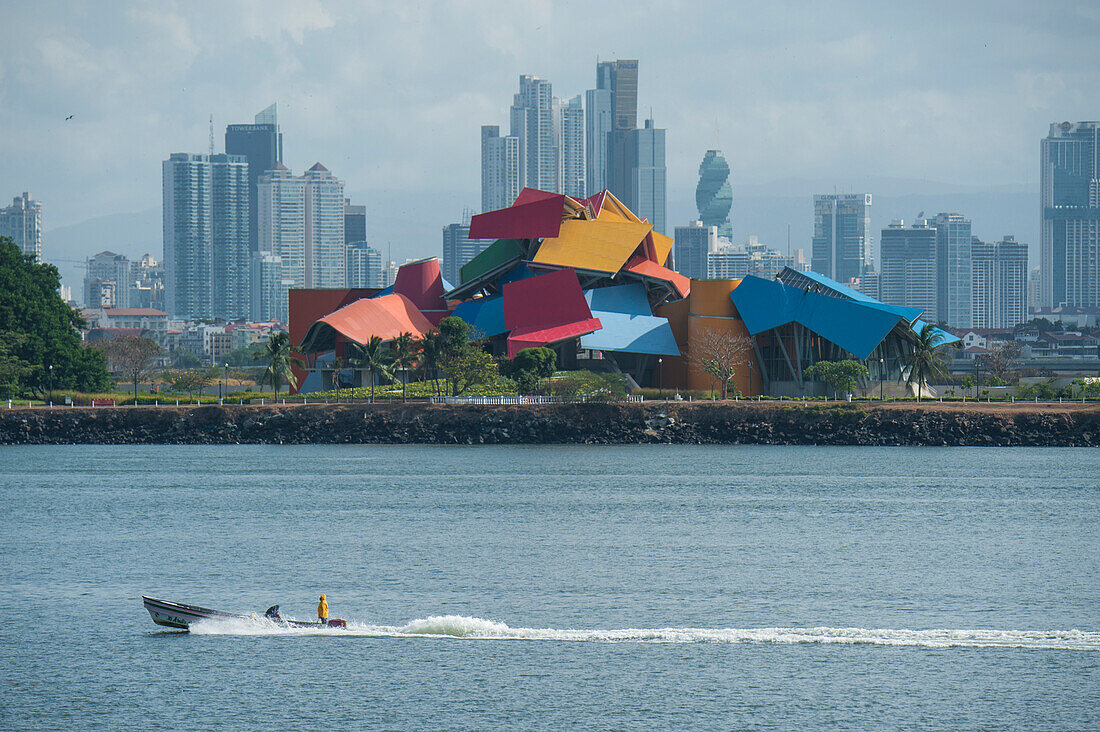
x: 601, y: 246
x: 663, y: 245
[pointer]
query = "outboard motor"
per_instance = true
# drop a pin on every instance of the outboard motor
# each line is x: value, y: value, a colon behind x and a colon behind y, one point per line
x: 272, y: 613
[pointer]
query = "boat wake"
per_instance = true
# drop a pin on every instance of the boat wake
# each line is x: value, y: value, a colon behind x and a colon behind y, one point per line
x: 457, y: 626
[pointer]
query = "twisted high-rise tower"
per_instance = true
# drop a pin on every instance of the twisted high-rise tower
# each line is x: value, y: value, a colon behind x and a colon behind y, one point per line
x: 713, y: 195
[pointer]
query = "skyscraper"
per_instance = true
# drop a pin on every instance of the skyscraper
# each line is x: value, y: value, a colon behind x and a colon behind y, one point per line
x: 22, y: 223
x: 691, y: 245
x: 268, y: 288
x: 365, y: 267
x: 459, y: 248
x: 842, y: 223
x: 262, y: 144
x: 621, y: 79
x: 532, y: 118
x: 302, y: 220
x: 648, y: 184
x: 1070, y: 194
x: 909, y: 272
x: 597, y: 131
x: 1000, y: 279
x: 206, y: 248
x: 107, y: 281
x: 500, y: 169
x: 713, y: 195
x: 355, y: 222
x: 954, y: 270
x: 570, y: 130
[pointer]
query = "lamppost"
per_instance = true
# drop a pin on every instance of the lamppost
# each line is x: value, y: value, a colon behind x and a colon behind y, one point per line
x: 49, y: 371
x: 224, y: 386
x: 881, y: 375
x: 750, y: 379
x: 660, y: 377
x: 977, y: 378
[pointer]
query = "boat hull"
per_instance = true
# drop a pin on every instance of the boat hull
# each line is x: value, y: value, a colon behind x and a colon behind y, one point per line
x: 182, y: 616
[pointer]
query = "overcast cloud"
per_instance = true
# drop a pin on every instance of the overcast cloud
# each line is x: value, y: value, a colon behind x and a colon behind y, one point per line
x: 390, y: 95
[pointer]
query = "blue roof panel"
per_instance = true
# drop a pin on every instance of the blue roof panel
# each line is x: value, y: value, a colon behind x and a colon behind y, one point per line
x: 857, y: 327
x: 486, y: 314
x: 629, y: 325
x: 910, y: 314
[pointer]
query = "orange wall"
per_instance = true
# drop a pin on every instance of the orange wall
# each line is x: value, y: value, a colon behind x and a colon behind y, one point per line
x: 707, y: 307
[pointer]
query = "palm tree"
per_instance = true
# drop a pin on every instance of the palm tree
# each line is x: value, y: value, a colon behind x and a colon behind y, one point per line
x: 927, y: 358
x: 280, y: 362
x: 431, y: 354
x: 375, y: 359
x: 404, y: 350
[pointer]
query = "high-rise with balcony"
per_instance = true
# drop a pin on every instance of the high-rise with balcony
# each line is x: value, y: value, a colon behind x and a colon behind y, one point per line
x: 532, y: 123
x: 908, y: 263
x: 954, y: 270
x: 842, y: 224
x: 365, y: 266
x: 302, y: 221
x: 569, y: 122
x: 22, y: 223
x: 107, y: 279
x: 206, y: 233
x: 1070, y: 235
x: 999, y: 283
x: 500, y: 169
x: 262, y: 144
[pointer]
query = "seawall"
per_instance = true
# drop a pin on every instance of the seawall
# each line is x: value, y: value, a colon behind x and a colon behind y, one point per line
x: 767, y: 423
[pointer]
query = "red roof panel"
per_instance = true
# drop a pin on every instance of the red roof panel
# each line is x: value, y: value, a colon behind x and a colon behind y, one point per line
x: 648, y: 268
x: 536, y: 219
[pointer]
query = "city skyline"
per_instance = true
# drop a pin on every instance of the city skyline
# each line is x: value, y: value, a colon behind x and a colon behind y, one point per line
x: 751, y: 101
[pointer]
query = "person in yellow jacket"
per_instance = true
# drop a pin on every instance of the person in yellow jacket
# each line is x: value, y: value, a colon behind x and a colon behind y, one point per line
x: 322, y: 611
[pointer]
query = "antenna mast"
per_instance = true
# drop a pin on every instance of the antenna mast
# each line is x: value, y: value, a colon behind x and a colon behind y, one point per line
x: 211, y: 134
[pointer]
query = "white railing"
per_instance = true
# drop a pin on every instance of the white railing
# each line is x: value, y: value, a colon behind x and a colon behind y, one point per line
x: 489, y: 400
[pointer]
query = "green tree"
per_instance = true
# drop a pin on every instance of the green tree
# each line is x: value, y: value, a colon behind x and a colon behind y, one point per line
x: 280, y: 362
x: 404, y: 349
x: 842, y: 376
x: 13, y: 369
x: 246, y: 356
x: 431, y: 356
x: 927, y: 358
x: 132, y: 357
x: 462, y: 359
x: 376, y: 359
x: 31, y: 307
x: 530, y: 366
x: 968, y: 382
x: 191, y: 380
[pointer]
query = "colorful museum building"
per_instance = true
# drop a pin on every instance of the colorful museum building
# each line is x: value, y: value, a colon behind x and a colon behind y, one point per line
x: 591, y: 280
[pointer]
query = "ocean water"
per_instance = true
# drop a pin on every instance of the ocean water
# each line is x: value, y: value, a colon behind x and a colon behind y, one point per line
x: 540, y: 588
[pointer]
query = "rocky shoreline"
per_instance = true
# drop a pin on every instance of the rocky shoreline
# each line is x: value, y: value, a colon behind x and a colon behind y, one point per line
x: 614, y: 423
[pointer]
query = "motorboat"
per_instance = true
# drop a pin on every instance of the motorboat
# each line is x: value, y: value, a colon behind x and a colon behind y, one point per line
x: 180, y: 615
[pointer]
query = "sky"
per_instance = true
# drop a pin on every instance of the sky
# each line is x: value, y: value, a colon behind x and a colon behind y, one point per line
x: 390, y: 96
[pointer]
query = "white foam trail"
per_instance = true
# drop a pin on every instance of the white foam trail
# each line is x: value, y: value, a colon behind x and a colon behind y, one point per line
x: 458, y: 626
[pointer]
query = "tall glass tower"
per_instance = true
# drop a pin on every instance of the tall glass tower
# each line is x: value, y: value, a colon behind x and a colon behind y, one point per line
x: 713, y: 195
x: 842, y: 223
x: 955, y: 270
x: 1070, y: 243
x: 261, y: 144
x: 206, y: 249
